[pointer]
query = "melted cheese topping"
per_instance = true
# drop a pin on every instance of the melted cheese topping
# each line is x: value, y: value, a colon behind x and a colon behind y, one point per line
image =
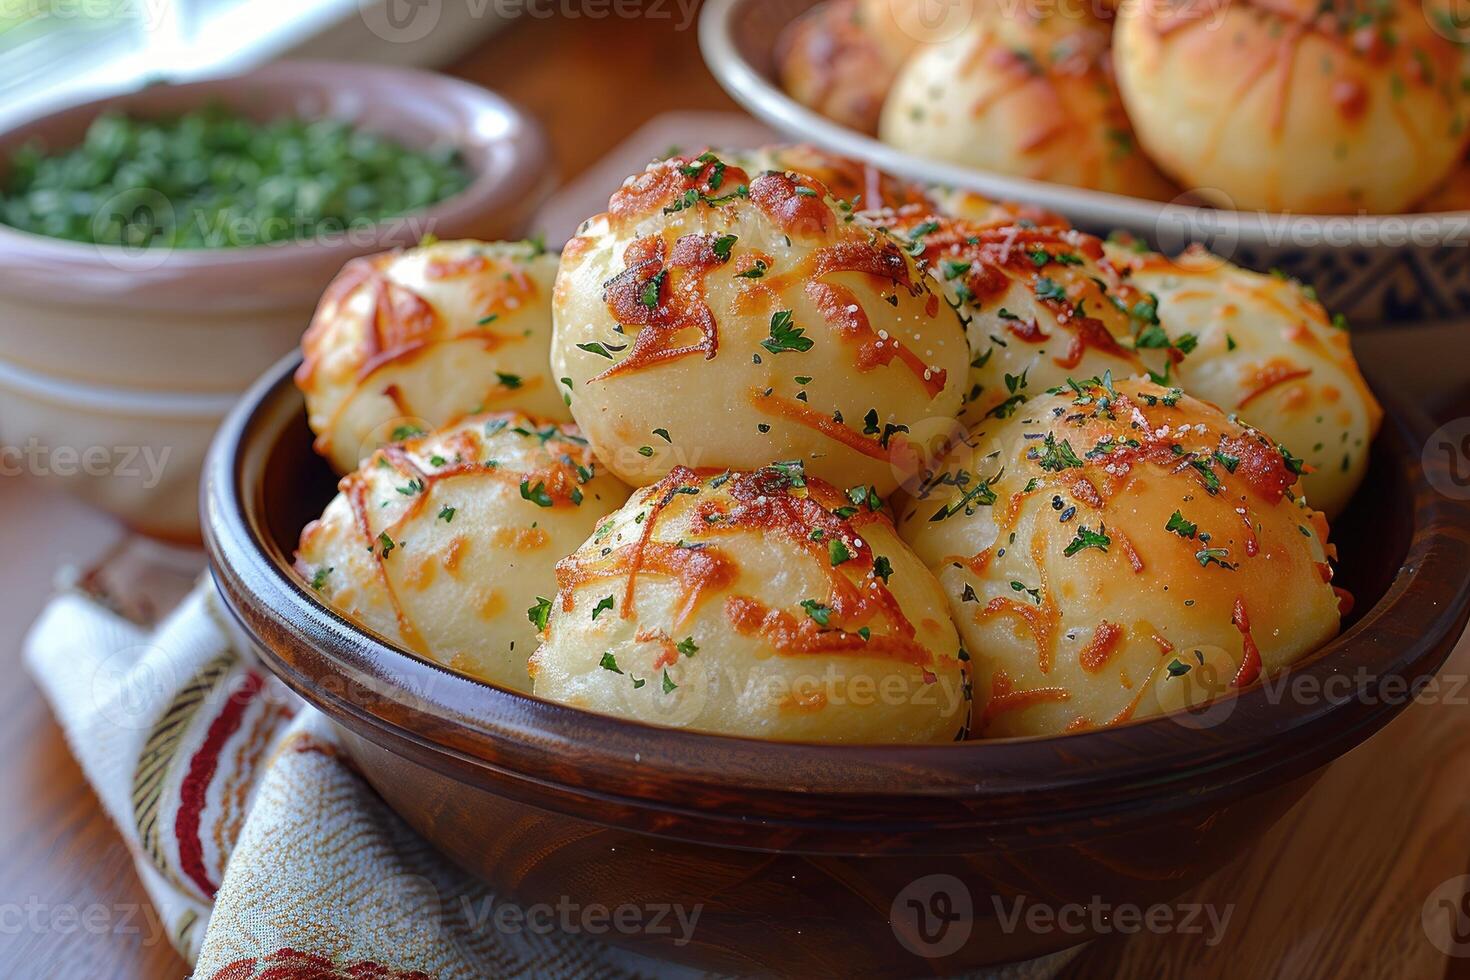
x: 1264, y: 348
x: 762, y: 603
x: 1330, y: 107
x: 1120, y: 549
x: 715, y: 317
x: 1032, y: 97
x: 405, y: 342
x: 1040, y: 303
x: 442, y: 543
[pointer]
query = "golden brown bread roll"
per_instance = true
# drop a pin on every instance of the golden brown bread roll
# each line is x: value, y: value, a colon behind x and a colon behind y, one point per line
x: 442, y: 543
x: 860, y: 184
x: 763, y: 603
x: 1300, y: 105
x: 1118, y: 549
x: 718, y: 318
x: 828, y: 61
x: 1262, y: 346
x: 1040, y: 305
x: 1029, y: 97
x: 407, y: 341
x: 1453, y: 193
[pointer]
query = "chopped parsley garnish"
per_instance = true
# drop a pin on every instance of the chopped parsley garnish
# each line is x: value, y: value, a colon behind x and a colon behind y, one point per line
x: 603, y: 604
x: 793, y: 473
x: 648, y: 295
x: 609, y: 662
x: 645, y: 450
x: 1177, y: 668
x: 319, y: 578
x: 1207, y: 473
x: 537, y: 494
x: 1088, y: 539
x: 1152, y: 337
x: 754, y: 272
x: 1217, y: 555
x: 953, y: 269
x: 838, y: 552
x: 1056, y: 456
x: 687, y: 646
x: 822, y: 614
x: 668, y: 685
x: 785, y: 335
x: 663, y: 434
x: 722, y: 247
x: 1048, y: 288
x: 1181, y: 527
x: 446, y: 513
x: 862, y: 496
x: 980, y: 495
x: 415, y: 486
x: 882, y: 568
x: 540, y: 613
x: 511, y: 381
x: 405, y: 432
x: 1293, y: 463
x: 686, y: 200
x: 600, y: 349
x: 387, y: 543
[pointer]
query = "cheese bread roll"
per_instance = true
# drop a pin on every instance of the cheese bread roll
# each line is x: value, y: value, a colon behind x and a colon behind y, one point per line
x: 762, y: 603
x: 443, y: 543
x: 829, y: 61
x: 715, y: 318
x: 408, y: 341
x: 857, y: 183
x: 986, y: 212
x: 1040, y: 305
x: 1453, y: 194
x: 1120, y: 548
x: 1264, y: 348
x: 1325, y: 106
x: 1031, y: 97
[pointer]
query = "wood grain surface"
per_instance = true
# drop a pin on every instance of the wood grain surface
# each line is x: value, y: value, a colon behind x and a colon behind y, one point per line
x: 1335, y: 890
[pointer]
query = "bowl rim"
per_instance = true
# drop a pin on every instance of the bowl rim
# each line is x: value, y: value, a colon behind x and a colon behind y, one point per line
x: 514, y: 167
x: 1263, y: 229
x: 479, y: 731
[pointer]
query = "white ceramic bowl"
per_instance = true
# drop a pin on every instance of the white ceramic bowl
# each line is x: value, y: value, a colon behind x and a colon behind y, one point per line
x: 134, y: 454
x: 1372, y: 268
x: 104, y: 346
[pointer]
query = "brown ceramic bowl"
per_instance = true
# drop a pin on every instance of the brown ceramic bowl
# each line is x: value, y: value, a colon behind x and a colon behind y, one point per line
x: 800, y: 855
x: 169, y: 338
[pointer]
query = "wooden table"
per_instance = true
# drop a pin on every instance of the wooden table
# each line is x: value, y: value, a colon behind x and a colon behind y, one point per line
x: 1335, y: 890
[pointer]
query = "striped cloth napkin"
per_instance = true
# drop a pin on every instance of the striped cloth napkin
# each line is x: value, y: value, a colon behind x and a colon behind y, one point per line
x: 264, y: 852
